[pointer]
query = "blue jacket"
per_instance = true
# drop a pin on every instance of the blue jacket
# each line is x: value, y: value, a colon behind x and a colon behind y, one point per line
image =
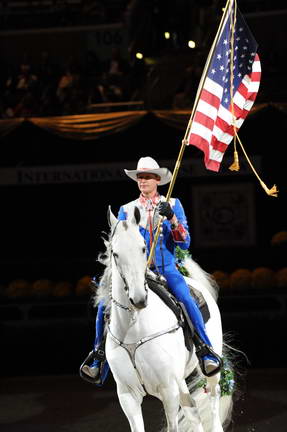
x: 166, y: 244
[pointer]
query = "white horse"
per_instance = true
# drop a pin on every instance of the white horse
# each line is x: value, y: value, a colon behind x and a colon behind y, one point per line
x: 145, y: 345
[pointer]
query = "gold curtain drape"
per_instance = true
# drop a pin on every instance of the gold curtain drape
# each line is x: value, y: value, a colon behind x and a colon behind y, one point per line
x: 93, y: 126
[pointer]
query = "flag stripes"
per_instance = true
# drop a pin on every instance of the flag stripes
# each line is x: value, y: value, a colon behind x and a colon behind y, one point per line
x: 217, y: 118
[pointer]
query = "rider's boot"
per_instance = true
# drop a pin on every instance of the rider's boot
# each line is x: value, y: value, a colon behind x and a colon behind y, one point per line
x: 93, y: 368
x: 210, y: 362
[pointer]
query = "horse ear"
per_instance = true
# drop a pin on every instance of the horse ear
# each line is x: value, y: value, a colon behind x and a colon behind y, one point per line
x: 137, y: 215
x: 112, y: 220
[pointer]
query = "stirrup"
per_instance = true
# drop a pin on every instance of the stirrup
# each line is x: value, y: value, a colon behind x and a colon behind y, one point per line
x: 98, y: 354
x: 88, y: 360
x: 202, y: 351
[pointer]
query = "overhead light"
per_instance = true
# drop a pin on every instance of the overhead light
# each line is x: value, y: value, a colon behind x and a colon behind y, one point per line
x: 167, y: 35
x: 191, y: 44
x: 139, y: 55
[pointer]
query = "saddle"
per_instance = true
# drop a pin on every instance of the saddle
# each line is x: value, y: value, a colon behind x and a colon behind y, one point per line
x: 158, y: 285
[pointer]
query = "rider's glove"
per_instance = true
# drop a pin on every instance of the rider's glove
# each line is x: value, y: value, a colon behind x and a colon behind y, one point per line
x: 165, y: 209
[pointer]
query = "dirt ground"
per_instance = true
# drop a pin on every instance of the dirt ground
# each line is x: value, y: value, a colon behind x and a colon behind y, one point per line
x: 65, y: 403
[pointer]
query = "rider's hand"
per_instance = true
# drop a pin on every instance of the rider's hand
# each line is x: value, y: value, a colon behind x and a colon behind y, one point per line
x: 165, y: 209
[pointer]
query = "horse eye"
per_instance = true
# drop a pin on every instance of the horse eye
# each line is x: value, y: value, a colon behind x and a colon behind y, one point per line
x: 144, y: 249
x: 115, y: 255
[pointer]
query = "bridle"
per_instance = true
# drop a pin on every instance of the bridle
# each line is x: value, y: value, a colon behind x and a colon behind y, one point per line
x: 131, y: 308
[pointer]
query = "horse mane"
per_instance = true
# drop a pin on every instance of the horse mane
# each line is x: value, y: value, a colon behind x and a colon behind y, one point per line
x: 103, y: 288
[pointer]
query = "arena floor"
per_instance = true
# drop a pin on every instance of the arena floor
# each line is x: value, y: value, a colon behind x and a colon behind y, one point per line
x: 68, y: 404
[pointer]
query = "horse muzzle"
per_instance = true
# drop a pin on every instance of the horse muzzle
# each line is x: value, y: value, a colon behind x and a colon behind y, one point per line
x: 141, y: 304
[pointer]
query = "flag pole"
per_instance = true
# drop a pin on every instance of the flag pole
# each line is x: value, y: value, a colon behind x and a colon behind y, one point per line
x: 184, y: 141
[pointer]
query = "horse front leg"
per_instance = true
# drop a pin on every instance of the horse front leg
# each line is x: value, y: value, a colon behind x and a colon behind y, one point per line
x: 170, y: 401
x: 191, y: 415
x: 131, y: 404
x: 215, y: 394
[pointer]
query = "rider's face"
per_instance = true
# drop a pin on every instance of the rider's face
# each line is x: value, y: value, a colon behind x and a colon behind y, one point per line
x: 147, y: 183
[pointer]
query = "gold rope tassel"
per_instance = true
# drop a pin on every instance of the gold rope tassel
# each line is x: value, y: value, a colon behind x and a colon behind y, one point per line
x: 271, y: 192
x: 235, y: 166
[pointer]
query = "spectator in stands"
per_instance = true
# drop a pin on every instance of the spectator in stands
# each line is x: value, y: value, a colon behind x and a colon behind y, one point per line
x: 115, y: 75
x: 26, y: 78
x: 186, y: 91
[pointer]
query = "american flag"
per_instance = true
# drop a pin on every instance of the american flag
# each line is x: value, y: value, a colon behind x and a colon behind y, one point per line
x: 212, y: 127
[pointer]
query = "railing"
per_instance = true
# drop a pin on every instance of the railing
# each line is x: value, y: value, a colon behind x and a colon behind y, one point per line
x: 262, y: 305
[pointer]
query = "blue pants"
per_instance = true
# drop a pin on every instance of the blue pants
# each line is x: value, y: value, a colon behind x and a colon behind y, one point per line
x: 100, y: 325
x: 180, y: 290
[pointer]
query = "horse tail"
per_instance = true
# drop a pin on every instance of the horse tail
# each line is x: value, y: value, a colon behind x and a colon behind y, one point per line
x: 205, y: 279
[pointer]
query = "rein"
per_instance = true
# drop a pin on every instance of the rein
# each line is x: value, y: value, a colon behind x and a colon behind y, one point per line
x: 127, y: 308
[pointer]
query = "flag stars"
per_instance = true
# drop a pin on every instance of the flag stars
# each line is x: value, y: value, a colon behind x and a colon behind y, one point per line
x: 232, y: 62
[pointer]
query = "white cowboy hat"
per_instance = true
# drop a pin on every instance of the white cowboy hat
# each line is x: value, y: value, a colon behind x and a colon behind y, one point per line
x: 149, y: 165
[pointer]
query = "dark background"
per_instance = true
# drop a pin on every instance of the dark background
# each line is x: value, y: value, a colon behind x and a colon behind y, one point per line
x: 54, y: 231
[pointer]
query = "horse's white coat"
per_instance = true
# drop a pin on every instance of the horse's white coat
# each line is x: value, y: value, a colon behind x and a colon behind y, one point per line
x: 159, y: 365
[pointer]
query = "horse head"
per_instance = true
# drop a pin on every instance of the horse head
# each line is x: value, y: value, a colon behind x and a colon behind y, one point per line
x: 129, y: 257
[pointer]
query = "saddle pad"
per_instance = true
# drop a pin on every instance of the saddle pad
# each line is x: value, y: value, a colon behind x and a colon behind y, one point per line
x: 159, y: 286
x: 200, y: 300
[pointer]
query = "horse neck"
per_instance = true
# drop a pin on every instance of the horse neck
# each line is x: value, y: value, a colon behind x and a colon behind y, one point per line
x: 130, y: 325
